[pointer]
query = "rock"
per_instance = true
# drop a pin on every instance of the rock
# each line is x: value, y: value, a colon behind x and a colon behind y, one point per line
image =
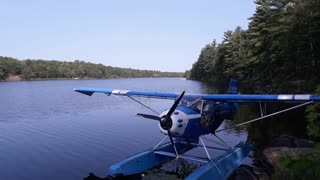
x: 283, y: 142
x: 290, y: 141
x: 281, y: 146
x: 303, y: 143
x: 243, y: 173
x: 12, y: 77
x: 272, y: 155
x: 247, y: 172
x: 131, y: 177
x: 92, y: 177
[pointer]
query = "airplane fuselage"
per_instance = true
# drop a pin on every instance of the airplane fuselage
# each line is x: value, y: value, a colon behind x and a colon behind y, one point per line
x: 191, y: 122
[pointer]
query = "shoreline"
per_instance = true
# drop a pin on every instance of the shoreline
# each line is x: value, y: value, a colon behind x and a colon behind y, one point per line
x: 57, y: 79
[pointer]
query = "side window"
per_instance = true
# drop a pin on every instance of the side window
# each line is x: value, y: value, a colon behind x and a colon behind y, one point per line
x: 208, y: 107
x: 196, y: 106
x: 197, y: 103
x: 207, y: 116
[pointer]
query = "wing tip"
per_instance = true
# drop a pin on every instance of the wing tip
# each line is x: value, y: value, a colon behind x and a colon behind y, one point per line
x: 83, y: 91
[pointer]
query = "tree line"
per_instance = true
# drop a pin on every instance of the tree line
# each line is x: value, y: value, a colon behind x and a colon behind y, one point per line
x: 43, y: 69
x: 279, y: 52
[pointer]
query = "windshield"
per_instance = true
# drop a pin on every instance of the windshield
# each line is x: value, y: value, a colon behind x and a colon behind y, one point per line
x: 197, y: 103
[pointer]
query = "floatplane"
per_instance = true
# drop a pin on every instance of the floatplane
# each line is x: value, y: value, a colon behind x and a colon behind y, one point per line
x: 190, y: 117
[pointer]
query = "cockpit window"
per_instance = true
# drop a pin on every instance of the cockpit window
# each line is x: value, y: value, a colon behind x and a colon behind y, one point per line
x: 197, y: 103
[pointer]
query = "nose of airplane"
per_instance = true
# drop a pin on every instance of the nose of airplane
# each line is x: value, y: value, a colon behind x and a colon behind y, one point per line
x: 166, y: 123
x: 177, y: 123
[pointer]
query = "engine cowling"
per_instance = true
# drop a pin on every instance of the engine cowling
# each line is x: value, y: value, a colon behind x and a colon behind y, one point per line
x: 177, y: 123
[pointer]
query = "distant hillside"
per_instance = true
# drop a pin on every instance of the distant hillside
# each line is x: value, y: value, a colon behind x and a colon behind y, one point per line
x: 13, y: 69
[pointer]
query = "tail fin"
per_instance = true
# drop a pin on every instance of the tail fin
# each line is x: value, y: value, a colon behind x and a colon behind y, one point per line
x: 233, y: 86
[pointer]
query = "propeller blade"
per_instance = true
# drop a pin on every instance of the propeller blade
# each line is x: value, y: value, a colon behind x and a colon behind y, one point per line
x: 174, y: 146
x: 149, y: 116
x: 172, y: 109
x: 175, y: 104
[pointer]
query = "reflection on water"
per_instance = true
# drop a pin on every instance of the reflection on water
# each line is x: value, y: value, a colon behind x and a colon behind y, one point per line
x: 261, y: 133
x: 291, y: 123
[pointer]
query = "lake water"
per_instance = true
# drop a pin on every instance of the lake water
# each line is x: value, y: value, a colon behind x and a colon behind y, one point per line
x: 48, y: 131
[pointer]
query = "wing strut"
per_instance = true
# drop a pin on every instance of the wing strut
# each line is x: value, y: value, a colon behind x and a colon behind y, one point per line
x: 205, y: 148
x: 269, y: 115
x: 166, y: 137
x: 144, y: 105
x: 263, y: 109
x: 220, y: 142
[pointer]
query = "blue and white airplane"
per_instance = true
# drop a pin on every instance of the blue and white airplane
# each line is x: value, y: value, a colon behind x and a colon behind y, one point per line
x: 190, y: 117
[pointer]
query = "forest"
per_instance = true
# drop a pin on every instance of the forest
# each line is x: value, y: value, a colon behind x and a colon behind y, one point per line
x: 279, y: 52
x: 43, y: 69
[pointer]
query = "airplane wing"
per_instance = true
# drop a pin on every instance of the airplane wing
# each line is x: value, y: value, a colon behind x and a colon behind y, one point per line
x: 208, y: 97
x: 90, y: 91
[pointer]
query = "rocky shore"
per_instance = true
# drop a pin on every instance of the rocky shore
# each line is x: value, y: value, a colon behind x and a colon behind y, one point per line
x: 267, y: 165
x: 13, y: 78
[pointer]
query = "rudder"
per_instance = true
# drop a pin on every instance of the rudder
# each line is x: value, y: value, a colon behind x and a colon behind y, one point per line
x: 233, y: 86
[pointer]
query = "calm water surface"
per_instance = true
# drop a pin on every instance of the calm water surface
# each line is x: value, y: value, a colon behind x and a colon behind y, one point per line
x: 48, y: 131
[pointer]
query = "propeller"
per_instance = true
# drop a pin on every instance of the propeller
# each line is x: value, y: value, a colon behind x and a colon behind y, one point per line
x: 149, y: 116
x: 166, y: 121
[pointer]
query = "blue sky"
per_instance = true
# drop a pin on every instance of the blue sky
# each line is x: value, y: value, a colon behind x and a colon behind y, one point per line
x: 155, y: 35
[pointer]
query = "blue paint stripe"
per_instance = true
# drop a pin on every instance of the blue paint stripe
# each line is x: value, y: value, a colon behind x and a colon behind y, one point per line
x: 153, y: 94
